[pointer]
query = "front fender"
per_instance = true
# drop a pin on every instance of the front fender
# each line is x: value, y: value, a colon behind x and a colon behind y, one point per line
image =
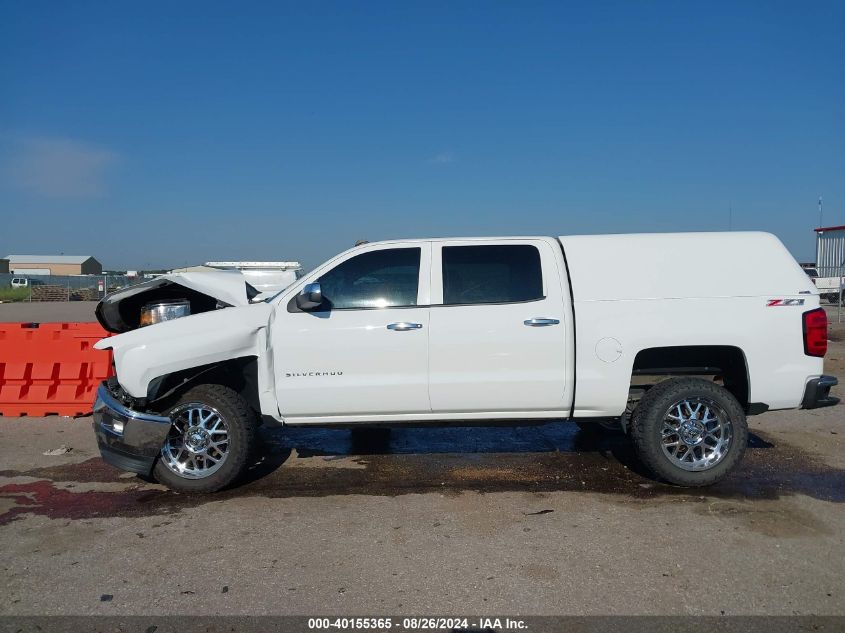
x: 142, y: 355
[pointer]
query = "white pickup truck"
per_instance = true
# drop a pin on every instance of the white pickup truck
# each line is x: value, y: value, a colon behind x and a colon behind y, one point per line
x: 674, y: 349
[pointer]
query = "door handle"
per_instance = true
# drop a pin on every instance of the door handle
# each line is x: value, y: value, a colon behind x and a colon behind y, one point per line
x: 404, y: 326
x: 540, y: 322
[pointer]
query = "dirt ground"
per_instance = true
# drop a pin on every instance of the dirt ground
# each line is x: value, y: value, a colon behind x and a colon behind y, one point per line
x: 529, y: 520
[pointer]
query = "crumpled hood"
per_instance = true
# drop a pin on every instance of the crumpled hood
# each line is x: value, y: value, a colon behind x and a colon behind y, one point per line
x: 119, y: 311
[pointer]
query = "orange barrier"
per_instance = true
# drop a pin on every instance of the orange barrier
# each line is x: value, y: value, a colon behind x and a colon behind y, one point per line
x: 51, y: 368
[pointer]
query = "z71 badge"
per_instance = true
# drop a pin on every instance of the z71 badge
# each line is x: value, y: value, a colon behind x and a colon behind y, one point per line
x: 771, y: 303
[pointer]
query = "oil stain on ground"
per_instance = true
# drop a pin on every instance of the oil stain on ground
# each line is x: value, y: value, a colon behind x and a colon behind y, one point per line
x: 553, y: 457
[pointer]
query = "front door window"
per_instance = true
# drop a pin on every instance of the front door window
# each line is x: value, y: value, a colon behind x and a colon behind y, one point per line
x: 387, y: 278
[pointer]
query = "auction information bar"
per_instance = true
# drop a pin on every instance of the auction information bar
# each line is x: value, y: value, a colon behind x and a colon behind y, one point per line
x: 681, y: 623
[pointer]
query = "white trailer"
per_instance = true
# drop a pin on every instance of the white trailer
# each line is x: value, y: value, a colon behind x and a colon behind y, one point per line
x: 264, y: 276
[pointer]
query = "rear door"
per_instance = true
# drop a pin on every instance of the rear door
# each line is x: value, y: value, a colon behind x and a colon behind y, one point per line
x: 497, y: 339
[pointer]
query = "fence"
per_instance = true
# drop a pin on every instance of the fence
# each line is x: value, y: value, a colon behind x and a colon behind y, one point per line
x: 62, y: 287
x: 831, y: 286
x: 94, y: 287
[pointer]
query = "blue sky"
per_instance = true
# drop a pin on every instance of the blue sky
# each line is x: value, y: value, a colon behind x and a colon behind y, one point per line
x: 155, y: 134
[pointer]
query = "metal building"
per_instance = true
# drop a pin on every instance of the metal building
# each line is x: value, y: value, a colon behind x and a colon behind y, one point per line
x: 830, y: 251
x: 54, y: 265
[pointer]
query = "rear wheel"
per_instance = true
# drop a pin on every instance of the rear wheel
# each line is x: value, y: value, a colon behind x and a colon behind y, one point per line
x: 210, y: 441
x: 689, y: 431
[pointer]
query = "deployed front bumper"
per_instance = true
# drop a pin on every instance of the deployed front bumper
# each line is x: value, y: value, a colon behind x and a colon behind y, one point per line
x: 817, y: 393
x: 130, y: 440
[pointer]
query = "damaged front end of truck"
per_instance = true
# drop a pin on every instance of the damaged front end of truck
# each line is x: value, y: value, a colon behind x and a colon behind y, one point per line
x: 171, y: 331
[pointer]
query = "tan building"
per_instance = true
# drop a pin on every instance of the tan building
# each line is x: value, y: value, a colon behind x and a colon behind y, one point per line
x: 54, y: 265
x: 4, y: 266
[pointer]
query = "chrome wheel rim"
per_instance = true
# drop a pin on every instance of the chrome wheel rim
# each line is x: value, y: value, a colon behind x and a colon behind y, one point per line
x: 198, y: 442
x: 696, y: 434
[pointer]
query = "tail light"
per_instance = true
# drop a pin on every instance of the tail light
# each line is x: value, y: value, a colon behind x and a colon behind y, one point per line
x: 815, y: 332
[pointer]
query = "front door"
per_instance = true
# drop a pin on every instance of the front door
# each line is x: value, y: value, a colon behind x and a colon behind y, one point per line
x: 497, y: 338
x: 365, y: 350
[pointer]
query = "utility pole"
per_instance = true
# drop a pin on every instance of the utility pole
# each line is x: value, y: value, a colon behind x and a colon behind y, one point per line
x: 821, y: 216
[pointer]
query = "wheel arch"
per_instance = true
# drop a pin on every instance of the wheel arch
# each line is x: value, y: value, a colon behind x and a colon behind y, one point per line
x: 725, y: 362
x: 239, y: 374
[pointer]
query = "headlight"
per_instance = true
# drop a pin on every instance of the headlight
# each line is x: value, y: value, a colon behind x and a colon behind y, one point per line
x: 159, y: 311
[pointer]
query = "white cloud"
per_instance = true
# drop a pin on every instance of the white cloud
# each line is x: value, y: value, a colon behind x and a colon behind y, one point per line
x: 443, y: 158
x: 58, y: 167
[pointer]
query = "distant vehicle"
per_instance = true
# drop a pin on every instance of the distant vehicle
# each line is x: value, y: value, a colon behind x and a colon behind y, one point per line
x: 25, y: 282
x: 828, y: 287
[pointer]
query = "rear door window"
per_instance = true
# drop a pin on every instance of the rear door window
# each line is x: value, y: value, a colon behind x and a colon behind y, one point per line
x: 494, y: 273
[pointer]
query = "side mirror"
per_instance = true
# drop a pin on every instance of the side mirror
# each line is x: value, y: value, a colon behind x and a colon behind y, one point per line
x: 311, y: 297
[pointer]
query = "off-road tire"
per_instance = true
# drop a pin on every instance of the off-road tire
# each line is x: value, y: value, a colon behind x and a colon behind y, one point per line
x: 647, y: 422
x: 241, y: 421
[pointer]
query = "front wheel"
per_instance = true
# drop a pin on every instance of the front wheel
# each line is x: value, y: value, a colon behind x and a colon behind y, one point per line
x: 210, y: 440
x: 689, y: 431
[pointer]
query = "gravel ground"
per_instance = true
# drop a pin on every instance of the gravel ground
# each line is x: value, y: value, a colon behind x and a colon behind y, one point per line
x: 531, y: 520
